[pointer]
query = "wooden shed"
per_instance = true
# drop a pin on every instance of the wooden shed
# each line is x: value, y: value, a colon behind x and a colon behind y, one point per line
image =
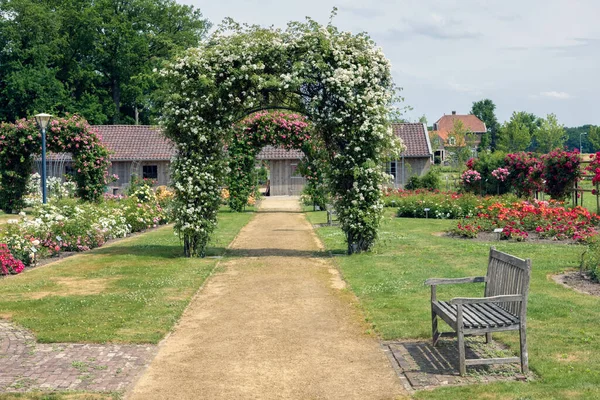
x: 139, y: 150
x: 284, y: 178
x: 418, y: 156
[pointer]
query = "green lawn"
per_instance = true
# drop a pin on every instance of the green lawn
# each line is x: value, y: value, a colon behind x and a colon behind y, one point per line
x: 563, y: 325
x: 131, y: 291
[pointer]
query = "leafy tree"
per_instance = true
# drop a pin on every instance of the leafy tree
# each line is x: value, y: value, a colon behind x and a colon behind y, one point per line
x: 593, y: 137
x: 464, y: 141
x: 516, y: 135
x: 92, y: 57
x: 485, y: 111
x: 550, y: 135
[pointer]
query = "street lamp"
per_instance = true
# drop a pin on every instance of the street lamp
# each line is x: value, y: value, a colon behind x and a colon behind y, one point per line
x: 580, y: 135
x: 42, y: 122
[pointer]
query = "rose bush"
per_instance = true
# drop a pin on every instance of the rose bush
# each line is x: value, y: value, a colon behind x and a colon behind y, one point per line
x: 21, y: 141
x: 560, y: 172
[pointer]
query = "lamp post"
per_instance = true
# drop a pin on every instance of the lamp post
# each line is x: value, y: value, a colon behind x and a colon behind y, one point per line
x: 42, y: 122
x: 580, y: 135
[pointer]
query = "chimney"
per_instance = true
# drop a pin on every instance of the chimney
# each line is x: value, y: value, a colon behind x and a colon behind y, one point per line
x: 453, y: 112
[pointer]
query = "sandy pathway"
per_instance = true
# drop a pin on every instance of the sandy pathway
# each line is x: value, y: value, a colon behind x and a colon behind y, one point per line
x: 272, y: 324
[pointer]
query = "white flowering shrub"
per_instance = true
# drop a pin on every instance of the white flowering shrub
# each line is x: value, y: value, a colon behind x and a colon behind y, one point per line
x: 341, y: 82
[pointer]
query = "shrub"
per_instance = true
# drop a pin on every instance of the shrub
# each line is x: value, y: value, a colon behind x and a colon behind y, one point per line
x: 525, y: 173
x: 486, y: 164
x: 431, y: 180
x: 560, y: 171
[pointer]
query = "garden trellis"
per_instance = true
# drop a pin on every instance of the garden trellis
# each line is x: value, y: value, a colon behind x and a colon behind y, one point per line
x: 340, y: 82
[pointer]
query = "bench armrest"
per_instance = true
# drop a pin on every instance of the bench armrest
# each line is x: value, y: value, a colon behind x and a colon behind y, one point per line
x: 494, y: 299
x: 451, y: 281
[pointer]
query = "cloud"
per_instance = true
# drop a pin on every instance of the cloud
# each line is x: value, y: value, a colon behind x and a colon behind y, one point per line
x: 435, y: 27
x: 555, y: 95
x: 461, y: 88
x: 362, y: 12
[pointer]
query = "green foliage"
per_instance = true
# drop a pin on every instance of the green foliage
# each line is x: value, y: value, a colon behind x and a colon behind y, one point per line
x: 485, y: 111
x: 485, y: 164
x: 516, y: 134
x: 431, y: 181
x: 94, y: 58
x: 550, y: 135
x: 593, y: 137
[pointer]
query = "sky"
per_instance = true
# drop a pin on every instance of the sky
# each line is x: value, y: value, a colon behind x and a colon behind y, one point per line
x: 539, y: 56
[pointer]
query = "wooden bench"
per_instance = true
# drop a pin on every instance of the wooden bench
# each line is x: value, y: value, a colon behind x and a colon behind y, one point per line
x: 504, y: 307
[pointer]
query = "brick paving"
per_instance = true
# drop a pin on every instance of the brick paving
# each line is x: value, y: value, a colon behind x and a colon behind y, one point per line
x: 422, y: 366
x: 26, y: 365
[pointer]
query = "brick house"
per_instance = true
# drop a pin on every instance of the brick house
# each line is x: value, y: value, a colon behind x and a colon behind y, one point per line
x: 442, y: 137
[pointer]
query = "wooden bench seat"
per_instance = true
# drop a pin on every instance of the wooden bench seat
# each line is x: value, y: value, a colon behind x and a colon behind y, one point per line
x: 504, y: 307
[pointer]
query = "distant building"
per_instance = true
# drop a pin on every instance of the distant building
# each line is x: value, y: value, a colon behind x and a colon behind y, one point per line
x: 284, y: 178
x: 135, y: 150
x: 442, y: 137
x: 418, y: 156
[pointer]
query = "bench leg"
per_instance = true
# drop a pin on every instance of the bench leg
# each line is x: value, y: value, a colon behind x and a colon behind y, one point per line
x: 435, y: 334
x: 461, y: 353
x: 524, y: 354
x: 488, y: 337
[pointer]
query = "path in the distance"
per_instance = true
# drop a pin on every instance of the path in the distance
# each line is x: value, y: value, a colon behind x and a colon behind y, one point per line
x: 273, y: 323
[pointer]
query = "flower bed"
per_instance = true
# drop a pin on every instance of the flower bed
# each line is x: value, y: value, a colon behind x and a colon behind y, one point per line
x: 519, y: 220
x: 69, y: 225
x: 441, y: 205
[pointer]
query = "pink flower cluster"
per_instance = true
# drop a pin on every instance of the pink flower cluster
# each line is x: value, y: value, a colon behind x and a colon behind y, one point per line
x: 9, y: 264
x: 470, y: 176
x: 500, y: 174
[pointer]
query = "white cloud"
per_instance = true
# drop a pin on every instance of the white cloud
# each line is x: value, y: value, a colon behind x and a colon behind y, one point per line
x: 556, y: 95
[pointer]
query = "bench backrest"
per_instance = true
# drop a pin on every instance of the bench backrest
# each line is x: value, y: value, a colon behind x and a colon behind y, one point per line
x: 506, y: 275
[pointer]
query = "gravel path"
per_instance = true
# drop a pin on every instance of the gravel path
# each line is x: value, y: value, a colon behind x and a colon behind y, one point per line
x: 273, y: 323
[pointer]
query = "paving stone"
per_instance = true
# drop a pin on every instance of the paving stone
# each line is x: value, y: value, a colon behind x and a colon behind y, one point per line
x: 26, y: 365
x: 426, y: 367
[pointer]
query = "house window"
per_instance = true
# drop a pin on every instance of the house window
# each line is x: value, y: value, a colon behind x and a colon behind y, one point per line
x: 390, y: 169
x: 451, y: 141
x: 150, y: 172
x: 294, y: 171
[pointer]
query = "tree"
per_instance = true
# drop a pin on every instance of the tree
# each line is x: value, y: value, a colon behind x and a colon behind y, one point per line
x: 516, y: 134
x: 593, y: 137
x: 463, y: 141
x: 484, y: 110
x: 550, y: 135
x: 91, y: 57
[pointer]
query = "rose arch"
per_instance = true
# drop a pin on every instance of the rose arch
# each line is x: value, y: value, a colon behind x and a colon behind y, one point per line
x: 21, y: 141
x: 340, y: 82
x: 277, y: 128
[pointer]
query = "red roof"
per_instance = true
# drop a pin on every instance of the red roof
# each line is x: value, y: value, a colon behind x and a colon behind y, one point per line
x: 445, y: 124
x: 415, y: 138
x: 279, y: 153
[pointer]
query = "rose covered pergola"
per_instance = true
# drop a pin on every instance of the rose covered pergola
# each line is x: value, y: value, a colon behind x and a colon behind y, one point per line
x: 339, y: 81
x: 21, y: 141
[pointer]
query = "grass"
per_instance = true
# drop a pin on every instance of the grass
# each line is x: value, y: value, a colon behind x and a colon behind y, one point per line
x: 60, y: 396
x: 131, y: 291
x: 563, y: 325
